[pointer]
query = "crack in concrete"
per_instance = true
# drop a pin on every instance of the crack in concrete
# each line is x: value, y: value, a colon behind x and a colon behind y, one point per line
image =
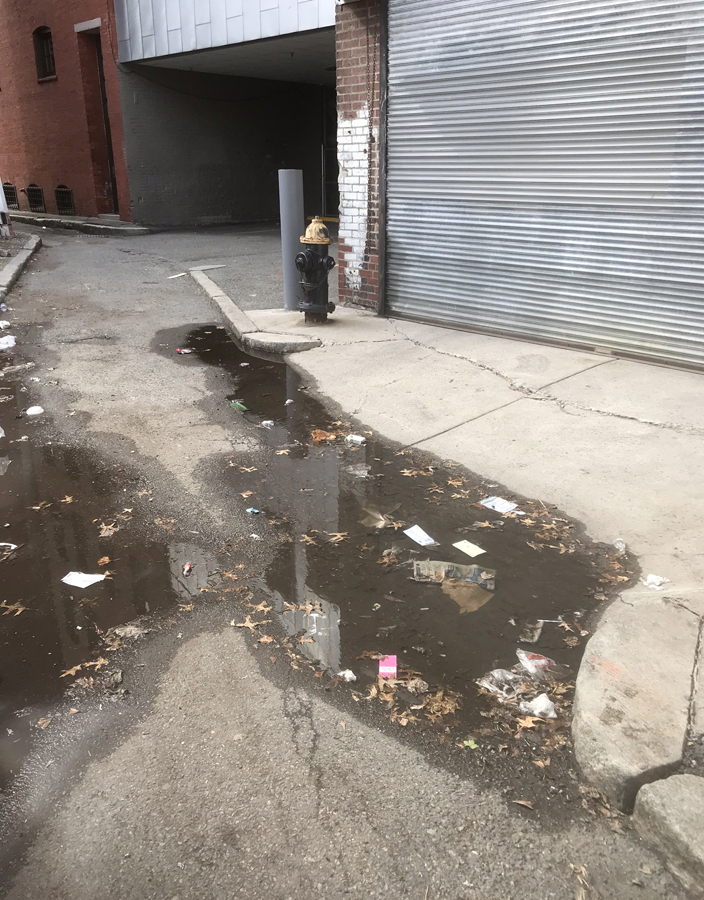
x: 695, y: 681
x: 664, y: 426
x: 513, y: 384
x: 537, y: 393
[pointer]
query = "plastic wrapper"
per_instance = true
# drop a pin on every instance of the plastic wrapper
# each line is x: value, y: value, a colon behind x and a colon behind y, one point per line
x: 541, y: 706
x: 540, y: 667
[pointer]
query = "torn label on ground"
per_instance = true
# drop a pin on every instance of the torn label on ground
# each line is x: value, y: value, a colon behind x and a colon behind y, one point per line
x: 81, y: 579
x: 388, y: 667
x: 436, y: 571
x: 469, y: 548
x: 417, y: 534
x: 498, y: 504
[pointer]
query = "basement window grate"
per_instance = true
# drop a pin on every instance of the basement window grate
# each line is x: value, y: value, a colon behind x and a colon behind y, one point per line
x: 64, y: 201
x: 35, y: 198
x: 10, y: 192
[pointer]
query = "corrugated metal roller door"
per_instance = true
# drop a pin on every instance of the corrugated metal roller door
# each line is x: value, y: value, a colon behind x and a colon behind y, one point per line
x: 545, y: 165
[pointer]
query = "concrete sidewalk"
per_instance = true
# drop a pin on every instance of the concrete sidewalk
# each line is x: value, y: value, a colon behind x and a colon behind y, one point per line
x: 617, y: 444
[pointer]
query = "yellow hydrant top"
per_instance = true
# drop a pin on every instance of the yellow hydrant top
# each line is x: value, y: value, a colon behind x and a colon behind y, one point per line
x: 316, y: 233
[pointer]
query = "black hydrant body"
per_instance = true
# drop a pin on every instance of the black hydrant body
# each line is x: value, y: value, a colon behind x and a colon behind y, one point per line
x: 314, y: 265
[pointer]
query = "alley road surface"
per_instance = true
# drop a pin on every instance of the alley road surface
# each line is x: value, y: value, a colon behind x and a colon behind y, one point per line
x: 215, y: 776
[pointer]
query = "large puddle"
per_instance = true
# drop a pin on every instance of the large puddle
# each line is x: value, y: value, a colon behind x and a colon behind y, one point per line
x: 344, y: 590
x: 55, y: 504
x: 340, y: 591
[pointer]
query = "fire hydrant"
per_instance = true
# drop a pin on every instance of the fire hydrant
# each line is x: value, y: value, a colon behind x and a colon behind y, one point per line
x: 314, y: 264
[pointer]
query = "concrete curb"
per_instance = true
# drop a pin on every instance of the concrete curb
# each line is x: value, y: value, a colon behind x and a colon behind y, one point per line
x: 14, y: 268
x: 244, y: 330
x: 84, y: 227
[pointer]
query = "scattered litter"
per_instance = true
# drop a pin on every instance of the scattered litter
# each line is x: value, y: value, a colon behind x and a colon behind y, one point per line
x: 347, y: 675
x: 541, y: 667
x: 501, y: 681
x: 531, y: 633
x: 253, y: 512
x: 542, y: 706
x: 255, y: 537
x: 469, y: 548
x: 2, y: 432
x: 34, y: 411
x: 417, y: 534
x: 320, y: 437
x: 620, y: 545
x: 361, y: 470
x: 288, y: 402
x: 377, y: 519
x: 15, y: 370
x: 187, y: 569
x: 498, y: 504
x: 654, y: 582
x: 7, y: 342
x: 4, y: 464
x: 470, y: 744
x: 35, y: 380
x: 438, y: 572
x: 184, y: 350
x: 238, y: 404
x: 81, y: 580
x: 4, y: 324
x: 355, y: 440
x: 387, y: 667
x: 180, y: 275
x: 129, y: 631
x: 244, y: 365
x: 268, y: 423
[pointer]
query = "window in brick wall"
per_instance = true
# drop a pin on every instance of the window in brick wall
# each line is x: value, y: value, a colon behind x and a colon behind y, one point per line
x: 10, y: 195
x: 35, y: 198
x: 64, y: 201
x: 44, y: 53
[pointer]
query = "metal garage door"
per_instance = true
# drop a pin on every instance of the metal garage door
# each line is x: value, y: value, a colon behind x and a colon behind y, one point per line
x: 545, y: 163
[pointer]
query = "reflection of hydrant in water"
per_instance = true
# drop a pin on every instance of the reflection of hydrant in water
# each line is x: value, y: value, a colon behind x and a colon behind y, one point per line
x: 314, y: 264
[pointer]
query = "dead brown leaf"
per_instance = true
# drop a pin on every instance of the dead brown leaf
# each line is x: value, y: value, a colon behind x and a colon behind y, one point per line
x: 266, y: 639
x: 104, y: 560
x: 42, y: 723
x: 320, y: 437
x: 71, y: 671
x: 66, y: 499
x: 526, y: 803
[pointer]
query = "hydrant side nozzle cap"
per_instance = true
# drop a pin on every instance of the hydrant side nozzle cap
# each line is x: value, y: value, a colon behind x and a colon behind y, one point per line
x: 316, y: 233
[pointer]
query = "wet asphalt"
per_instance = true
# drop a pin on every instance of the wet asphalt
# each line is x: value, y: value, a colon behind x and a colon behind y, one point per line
x: 147, y: 461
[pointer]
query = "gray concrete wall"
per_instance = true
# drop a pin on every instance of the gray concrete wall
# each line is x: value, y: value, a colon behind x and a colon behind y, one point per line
x: 204, y: 149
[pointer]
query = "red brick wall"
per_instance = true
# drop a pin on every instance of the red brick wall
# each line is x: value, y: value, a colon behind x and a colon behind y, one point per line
x: 358, y: 67
x: 51, y: 133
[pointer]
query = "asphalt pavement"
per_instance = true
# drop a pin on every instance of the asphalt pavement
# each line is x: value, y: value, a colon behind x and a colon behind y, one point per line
x: 219, y: 774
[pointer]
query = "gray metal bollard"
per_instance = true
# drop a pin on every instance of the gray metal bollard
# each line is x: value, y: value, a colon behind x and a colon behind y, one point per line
x: 292, y: 227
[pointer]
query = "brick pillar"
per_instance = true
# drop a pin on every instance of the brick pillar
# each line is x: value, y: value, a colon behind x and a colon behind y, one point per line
x: 358, y: 29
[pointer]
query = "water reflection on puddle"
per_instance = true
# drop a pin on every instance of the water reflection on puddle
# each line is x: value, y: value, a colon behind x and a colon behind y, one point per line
x: 346, y: 586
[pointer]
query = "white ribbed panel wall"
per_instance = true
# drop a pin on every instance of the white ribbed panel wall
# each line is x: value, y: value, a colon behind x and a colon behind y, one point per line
x: 151, y: 28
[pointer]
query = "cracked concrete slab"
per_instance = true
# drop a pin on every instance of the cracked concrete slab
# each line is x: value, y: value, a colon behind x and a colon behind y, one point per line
x: 525, y: 364
x: 631, y: 712
x: 621, y: 478
x: 669, y: 815
x: 406, y: 393
x: 653, y: 394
